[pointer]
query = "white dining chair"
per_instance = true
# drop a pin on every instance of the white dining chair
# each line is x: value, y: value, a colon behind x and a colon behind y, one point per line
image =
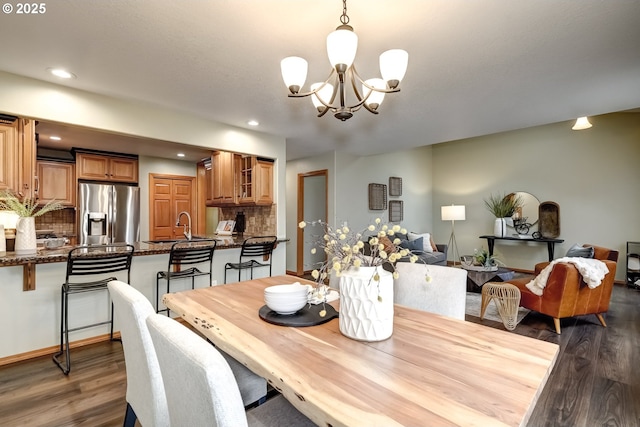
x: 146, y: 400
x: 445, y: 293
x: 200, y: 387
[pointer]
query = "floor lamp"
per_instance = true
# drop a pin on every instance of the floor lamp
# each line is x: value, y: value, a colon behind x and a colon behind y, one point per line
x: 453, y: 213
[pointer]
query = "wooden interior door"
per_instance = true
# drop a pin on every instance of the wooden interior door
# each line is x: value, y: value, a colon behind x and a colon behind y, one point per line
x: 168, y: 196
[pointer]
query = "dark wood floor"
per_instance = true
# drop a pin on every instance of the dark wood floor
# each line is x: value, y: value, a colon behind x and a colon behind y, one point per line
x: 596, y: 381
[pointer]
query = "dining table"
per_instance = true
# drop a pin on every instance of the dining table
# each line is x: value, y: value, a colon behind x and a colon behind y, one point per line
x: 432, y: 371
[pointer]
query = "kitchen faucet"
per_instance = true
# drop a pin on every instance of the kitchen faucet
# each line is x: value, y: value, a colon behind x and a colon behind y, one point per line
x: 187, y: 228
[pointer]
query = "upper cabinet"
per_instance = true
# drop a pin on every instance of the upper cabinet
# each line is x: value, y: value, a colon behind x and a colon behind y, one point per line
x: 235, y: 179
x: 56, y: 181
x: 17, y: 155
x: 255, y: 181
x: 99, y: 167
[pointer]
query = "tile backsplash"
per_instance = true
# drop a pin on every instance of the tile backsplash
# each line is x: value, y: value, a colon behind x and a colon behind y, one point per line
x: 62, y: 222
x: 260, y: 220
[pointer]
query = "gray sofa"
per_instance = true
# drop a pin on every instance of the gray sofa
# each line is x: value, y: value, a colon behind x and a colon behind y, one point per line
x: 438, y: 257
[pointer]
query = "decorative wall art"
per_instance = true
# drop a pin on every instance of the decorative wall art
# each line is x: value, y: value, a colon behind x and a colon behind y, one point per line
x: 377, y: 197
x: 395, y: 211
x: 395, y: 186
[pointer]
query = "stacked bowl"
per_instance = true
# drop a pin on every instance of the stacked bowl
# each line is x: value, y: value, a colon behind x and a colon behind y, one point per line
x: 286, y: 299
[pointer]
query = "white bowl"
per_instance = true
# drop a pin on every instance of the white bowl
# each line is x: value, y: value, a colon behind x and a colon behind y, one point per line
x: 288, y: 304
x: 292, y: 289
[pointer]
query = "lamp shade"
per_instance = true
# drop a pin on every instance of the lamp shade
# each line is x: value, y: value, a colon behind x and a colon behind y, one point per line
x: 294, y: 72
x: 393, y: 65
x: 453, y: 213
x: 324, y: 94
x: 375, y: 98
x: 341, y: 47
x: 582, y: 123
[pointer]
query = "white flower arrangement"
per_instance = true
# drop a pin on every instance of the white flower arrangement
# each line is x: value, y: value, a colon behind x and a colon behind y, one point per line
x: 345, y: 249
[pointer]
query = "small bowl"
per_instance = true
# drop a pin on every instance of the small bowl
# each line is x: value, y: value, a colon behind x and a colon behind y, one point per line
x: 286, y: 299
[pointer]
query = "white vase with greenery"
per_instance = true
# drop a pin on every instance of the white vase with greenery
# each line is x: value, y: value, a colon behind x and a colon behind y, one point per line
x: 26, y: 227
x: 502, y: 207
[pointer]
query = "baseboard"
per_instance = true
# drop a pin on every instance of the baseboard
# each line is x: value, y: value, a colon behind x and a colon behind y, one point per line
x: 47, y: 351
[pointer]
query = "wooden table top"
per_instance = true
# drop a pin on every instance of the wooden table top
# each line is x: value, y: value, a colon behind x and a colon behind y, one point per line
x: 434, y: 370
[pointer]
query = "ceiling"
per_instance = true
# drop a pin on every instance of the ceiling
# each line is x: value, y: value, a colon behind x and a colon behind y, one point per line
x: 475, y: 67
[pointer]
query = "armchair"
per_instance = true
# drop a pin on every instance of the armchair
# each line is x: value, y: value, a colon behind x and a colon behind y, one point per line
x: 566, y: 294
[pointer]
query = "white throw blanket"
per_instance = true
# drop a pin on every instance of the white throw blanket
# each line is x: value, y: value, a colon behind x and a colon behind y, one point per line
x: 592, y: 271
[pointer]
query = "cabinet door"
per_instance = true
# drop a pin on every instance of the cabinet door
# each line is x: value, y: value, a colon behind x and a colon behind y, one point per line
x: 170, y: 195
x: 123, y: 169
x: 56, y: 181
x: 263, y: 186
x: 223, y: 177
x: 8, y: 156
x: 91, y: 166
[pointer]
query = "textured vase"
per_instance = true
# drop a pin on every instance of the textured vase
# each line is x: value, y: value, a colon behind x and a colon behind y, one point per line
x: 500, y: 227
x: 26, y: 236
x: 366, y: 306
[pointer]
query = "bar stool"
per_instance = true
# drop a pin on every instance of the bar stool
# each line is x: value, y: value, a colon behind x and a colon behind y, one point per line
x: 89, y: 261
x: 253, y: 247
x: 186, y: 252
x: 507, y: 300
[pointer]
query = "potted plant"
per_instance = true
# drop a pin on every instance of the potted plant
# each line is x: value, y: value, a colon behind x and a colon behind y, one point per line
x: 502, y: 206
x: 27, y: 210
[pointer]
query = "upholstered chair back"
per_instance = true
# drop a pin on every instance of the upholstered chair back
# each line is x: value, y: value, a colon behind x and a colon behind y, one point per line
x: 444, y: 294
x: 145, y: 389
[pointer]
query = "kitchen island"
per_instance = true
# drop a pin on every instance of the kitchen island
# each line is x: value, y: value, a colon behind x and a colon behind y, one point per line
x: 30, y: 321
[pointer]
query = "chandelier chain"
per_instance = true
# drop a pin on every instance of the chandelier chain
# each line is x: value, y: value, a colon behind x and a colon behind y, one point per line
x: 344, y: 18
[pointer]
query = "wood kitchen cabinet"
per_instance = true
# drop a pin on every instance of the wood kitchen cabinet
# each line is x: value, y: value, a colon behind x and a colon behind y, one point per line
x: 98, y: 167
x: 223, y: 179
x: 56, y: 181
x: 17, y: 155
x: 255, y: 182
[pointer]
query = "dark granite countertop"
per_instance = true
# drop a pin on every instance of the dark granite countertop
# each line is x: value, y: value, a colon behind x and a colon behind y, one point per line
x: 142, y: 248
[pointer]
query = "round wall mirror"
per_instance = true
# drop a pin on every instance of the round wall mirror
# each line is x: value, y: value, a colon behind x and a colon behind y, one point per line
x: 529, y: 209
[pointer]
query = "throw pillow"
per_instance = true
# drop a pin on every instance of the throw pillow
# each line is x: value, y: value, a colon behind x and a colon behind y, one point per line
x: 388, y: 244
x: 426, y: 241
x: 413, y: 245
x: 580, y: 251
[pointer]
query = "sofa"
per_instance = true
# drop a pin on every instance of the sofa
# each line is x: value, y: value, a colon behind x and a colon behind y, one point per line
x: 423, y: 246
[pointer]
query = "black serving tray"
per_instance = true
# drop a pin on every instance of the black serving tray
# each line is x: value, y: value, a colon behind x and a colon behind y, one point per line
x: 309, y: 315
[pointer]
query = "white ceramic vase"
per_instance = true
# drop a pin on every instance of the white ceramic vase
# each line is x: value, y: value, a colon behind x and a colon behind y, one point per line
x: 26, y: 236
x: 366, y: 306
x: 500, y: 227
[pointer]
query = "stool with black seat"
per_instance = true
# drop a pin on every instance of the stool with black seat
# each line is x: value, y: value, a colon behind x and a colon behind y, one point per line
x: 85, y: 261
x: 186, y: 253
x: 253, y: 247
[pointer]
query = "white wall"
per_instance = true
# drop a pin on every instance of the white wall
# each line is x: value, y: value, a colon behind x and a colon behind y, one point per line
x: 295, y: 167
x: 354, y: 174
x: 592, y: 174
x: 37, y: 99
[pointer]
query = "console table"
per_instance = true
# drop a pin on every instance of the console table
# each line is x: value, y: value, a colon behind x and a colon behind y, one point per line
x: 550, y: 243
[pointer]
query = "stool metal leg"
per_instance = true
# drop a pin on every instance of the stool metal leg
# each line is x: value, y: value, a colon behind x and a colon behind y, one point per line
x: 64, y: 334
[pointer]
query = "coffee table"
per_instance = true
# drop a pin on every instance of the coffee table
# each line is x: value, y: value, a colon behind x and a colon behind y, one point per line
x: 475, y: 279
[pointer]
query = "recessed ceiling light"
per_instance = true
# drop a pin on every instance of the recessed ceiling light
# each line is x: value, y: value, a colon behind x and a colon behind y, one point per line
x: 180, y: 154
x: 253, y: 123
x: 63, y: 74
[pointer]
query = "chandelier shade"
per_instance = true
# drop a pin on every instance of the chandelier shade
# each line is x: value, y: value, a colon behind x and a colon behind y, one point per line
x: 294, y: 72
x: 342, y: 45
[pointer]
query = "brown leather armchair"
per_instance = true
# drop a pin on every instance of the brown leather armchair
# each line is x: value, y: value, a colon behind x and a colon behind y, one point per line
x: 566, y: 294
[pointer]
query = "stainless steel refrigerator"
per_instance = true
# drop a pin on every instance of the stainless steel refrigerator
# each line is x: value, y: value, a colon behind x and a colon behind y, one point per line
x: 109, y: 213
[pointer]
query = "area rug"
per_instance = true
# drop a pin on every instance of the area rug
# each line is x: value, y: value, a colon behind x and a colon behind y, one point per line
x: 473, y: 308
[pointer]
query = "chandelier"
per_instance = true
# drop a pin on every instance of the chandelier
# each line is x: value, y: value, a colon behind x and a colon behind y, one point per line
x: 341, y: 49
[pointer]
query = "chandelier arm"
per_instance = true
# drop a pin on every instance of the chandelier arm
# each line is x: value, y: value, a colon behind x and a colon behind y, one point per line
x: 328, y: 107
x: 316, y: 90
x: 360, y: 80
